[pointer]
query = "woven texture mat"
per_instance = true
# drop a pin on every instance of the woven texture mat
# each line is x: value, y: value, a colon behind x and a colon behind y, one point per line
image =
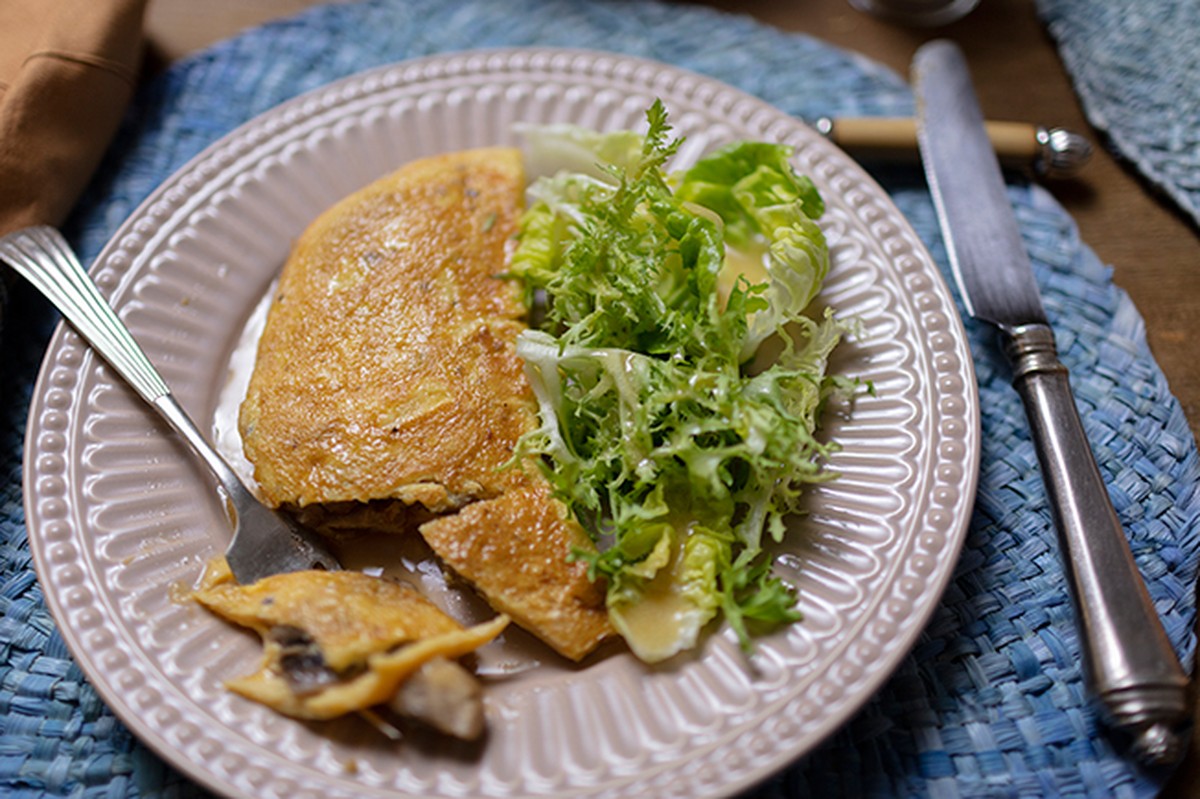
x: 991, y: 701
x: 1137, y: 71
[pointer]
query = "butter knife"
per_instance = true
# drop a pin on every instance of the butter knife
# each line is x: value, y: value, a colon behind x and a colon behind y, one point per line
x: 1132, y: 669
x: 1046, y: 152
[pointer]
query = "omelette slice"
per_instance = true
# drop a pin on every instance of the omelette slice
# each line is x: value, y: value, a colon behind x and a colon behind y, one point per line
x: 342, y: 642
x: 387, y: 391
x: 516, y: 550
x: 387, y: 368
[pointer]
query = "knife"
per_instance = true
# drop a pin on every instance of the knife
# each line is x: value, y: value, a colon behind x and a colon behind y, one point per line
x: 1131, y: 667
x: 1047, y: 152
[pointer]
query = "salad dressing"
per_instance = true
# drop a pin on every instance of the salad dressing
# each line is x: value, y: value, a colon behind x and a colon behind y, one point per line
x: 740, y: 262
x: 661, y: 623
x: 665, y: 618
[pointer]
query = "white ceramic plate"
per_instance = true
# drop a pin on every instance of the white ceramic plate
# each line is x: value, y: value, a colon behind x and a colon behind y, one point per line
x: 121, y: 519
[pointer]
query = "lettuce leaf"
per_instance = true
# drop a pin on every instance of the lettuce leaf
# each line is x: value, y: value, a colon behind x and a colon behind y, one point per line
x: 768, y: 211
x: 676, y: 458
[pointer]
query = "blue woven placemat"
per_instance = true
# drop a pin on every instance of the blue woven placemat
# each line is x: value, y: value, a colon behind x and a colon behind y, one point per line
x: 1136, y: 67
x: 990, y: 703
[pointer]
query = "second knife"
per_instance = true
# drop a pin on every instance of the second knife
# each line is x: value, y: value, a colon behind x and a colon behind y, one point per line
x: 1130, y: 664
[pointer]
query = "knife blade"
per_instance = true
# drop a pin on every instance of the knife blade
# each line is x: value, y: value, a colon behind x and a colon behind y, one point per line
x: 1130, y: 665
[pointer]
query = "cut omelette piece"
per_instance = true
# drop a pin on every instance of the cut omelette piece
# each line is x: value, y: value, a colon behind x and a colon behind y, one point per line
x: 341, y: 642
x: 387, y: 367
x: 516, y: 551
x: 387, y: 389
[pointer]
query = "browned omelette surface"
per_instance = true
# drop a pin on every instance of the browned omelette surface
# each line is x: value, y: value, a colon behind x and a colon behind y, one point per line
x: 387, y: 374
x: 515, y: 549
x: 387, y: 367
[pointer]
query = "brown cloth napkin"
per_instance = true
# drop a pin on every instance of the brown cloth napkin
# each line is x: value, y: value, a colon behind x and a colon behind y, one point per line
x: 67, y: 72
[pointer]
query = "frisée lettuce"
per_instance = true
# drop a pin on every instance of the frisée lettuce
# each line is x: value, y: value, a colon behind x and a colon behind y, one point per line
x: 654, y: 291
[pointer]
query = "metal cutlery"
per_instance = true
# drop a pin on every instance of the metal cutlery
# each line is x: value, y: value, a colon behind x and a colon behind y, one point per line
x: 264, y: 541
x: 1131, y: 667
x: 1046, y: 152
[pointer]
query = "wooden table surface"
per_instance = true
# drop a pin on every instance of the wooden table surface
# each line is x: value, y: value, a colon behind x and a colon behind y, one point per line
x: 1153, y: 249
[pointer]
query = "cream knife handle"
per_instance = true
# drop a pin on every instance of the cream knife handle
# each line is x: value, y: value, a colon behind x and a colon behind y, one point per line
x: 1053, y: 152
x: 1015, y: 141
x: 1131, y: 665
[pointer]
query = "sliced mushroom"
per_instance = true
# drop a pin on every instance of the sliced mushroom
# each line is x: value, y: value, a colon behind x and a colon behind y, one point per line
x: 301, y: 661
x: 445, y: 696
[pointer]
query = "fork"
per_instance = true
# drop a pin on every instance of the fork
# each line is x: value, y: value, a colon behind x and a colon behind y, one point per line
x: 265, y: 541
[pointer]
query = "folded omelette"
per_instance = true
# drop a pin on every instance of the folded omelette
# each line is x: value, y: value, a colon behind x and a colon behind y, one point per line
x: 387, y: 394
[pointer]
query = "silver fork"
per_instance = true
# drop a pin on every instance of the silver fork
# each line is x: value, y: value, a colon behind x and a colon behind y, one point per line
x: 265, y: 541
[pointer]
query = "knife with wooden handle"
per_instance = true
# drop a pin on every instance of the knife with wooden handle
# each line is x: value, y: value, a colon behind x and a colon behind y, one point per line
x: 1131, y: 667
x: 1047, y: 152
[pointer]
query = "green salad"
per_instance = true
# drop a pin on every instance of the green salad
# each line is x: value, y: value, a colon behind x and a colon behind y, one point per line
x: 653, y: 292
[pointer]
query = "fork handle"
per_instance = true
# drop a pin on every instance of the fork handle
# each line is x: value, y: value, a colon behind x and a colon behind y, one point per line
x: 264, y: 541
x: 42, y: 256
x: 1130, y: 663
